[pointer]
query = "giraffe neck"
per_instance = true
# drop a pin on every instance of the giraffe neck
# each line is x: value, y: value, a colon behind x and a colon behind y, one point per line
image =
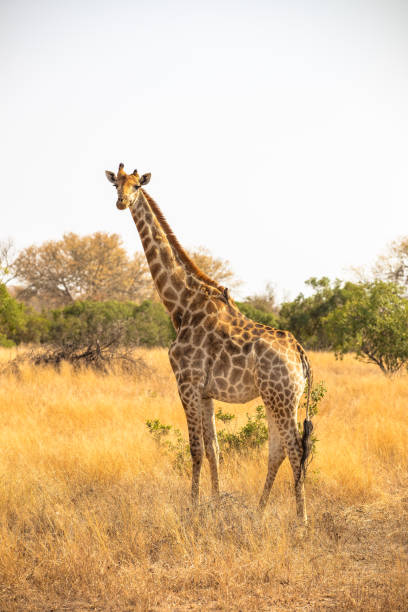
x: 176, y: 278
x: 178, y: 250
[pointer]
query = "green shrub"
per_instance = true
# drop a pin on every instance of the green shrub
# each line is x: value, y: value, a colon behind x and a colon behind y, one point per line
x: 253, y: 434
x: 175, y: 444
x: 17, y: 322
x: 153, y: 324
x: 110, y: 323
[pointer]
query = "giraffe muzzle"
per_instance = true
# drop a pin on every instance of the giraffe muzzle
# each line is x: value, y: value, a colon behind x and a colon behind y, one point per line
x: 122, y: 204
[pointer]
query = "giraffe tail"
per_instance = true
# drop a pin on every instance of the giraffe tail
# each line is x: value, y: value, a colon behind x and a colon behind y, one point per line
x: 307, y: 423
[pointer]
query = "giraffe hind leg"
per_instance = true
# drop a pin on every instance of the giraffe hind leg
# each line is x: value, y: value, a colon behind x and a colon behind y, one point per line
x: 276, y: 455
x: 291, y: 442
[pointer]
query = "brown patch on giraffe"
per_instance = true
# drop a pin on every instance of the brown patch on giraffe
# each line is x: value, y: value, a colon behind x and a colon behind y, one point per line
x: 222, y: 333
x: 198, y: 302
x: 236, y: 375
x: 199, y: 354
x: 176, y: 353
x: 197, y: 318
x: 210, y: 308
x: 213, y: 344
x: 151, y: 253
x: 210, y: 323
x: 184, y: 335
x: 178, y: 316
x: 221, y: 383
x: 161, y: 281
x: 232, y: 347
x: 166, y: 257
x: 170, y: 294
x: 239, y: 360
x: 246, y: 348
x: 198, y: 335
x: 185, y: 295
x: 155, y: 269
x: 176, y: 281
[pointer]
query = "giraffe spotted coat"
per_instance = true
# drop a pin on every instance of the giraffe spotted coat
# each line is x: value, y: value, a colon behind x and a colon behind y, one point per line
x: 218, y: 352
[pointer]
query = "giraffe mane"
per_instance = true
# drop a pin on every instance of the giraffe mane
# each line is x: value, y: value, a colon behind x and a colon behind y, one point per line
x: 190, y: 265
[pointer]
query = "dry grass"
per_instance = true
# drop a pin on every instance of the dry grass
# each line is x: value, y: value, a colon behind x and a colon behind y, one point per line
x: 94, y: 516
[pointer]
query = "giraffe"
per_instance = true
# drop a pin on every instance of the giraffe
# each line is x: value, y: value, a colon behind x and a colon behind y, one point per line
x: 219, y: 353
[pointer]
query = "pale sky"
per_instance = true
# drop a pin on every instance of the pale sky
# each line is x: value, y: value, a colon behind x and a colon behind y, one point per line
x: 276, y: 132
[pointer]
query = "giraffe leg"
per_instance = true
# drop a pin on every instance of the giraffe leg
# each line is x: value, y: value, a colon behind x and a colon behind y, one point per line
x: 275, y: 457
x: 212, y: 450
x: 292, y: 442
x: 193, y: 409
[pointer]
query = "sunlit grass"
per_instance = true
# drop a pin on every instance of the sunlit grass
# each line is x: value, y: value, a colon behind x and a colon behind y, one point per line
x: 94, y: 513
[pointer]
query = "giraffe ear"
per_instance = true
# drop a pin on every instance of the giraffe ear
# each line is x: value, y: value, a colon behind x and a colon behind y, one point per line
x: 111, y: 176
x: 145, y: 178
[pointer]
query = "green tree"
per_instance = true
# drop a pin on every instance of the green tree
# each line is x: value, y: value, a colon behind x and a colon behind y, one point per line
x: 13, y: 320
x: 372, y: 323
x: 113, y: 323
x: 305, y: 316
x: 153, y: 324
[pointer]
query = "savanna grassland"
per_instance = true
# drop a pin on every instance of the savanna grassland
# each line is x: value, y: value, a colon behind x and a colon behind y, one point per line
x: 95, y: 514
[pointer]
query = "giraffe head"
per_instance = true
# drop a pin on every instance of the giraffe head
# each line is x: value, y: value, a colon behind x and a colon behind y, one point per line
x: 127, y: 185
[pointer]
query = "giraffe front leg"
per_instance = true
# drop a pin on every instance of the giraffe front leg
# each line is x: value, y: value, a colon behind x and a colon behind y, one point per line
x: 212, y: 450
x: 192, y: 407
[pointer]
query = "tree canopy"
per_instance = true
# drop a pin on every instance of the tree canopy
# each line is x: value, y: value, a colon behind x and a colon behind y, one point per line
x: 94, y: 267
x: 305, y: 316
x: 372, y: 323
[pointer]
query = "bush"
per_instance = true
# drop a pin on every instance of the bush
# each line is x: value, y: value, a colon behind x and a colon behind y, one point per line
x: 253, y: 434
x: 153, y: 324
x: 17, y: 322
x: 111, y: 324
x: 177, y: 446
x: 373, y: 323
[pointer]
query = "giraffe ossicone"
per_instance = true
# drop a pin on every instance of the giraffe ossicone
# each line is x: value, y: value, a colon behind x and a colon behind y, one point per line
x: 219, y: 353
